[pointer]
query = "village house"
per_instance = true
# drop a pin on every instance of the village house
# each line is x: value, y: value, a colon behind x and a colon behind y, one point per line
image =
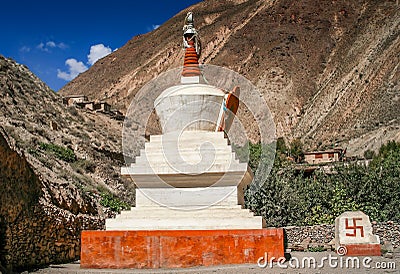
x: 83, y: 102
x: 70, y: 100
x: 102, y: 106
x: 86, y: 105
x: 327, y: 156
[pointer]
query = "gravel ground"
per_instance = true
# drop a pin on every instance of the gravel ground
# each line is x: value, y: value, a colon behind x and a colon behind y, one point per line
x: 392, y: 266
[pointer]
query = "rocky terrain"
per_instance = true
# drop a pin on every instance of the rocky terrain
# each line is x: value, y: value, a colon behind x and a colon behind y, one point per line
x: 329, y: 70
x: 57, y: 165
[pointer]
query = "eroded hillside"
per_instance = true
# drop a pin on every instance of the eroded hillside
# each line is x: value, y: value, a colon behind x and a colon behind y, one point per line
x: 56, y: 165
x: 327, y: 69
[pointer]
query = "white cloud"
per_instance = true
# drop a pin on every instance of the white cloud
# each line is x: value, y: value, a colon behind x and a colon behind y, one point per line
x: 25, y: 49
x: 42, y: 47
x: 51, y: 44
x: 62, y: 45
x: 97, y: 52
x: 74, y: 68
x: 152, y: 27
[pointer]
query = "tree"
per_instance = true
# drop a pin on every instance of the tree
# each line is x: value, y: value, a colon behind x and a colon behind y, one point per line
x: 369, y: 154
x: 296, y: 150
x: 286, y: 197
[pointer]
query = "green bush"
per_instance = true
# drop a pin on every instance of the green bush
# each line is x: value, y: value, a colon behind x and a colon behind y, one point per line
x: 288, y: 197
x: 316, y: 249
x: 296, y: 150
x: 60, y: 152
x: 33, y: 152
x: 369, y: 154
x: 112, y: 202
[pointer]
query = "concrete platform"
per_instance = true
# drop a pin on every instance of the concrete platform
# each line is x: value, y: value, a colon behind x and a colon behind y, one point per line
x: 178, y: 248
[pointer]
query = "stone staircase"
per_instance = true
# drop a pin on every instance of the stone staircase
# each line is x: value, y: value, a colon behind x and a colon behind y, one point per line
x: 161, y: 218
x: 188, y: 182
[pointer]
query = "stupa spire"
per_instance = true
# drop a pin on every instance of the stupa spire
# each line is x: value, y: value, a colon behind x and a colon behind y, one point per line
x: 191, y: 43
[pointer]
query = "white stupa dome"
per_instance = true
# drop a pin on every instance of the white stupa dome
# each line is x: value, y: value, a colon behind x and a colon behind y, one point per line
x: 189, y: 107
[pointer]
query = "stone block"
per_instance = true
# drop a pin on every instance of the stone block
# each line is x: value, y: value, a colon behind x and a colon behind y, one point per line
x: 362, y: 250
x: 178, y: 249
x: 354, y: 237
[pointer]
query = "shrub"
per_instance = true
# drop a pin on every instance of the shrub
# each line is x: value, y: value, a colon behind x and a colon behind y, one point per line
x: 369, y: 154
x: 296, y: 150
x: 112, y: 202
x: 60, y: 152
x: 316, y: 249
x: 33, y: 152
x: 287, y: 197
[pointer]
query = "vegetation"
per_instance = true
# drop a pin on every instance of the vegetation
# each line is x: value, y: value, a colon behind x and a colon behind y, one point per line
x: 289, y: 197
x: 296, y: 150
x: 369, y: 154
x: 316, y: 249
x: 113, y: 202
x: 82, y: 165
x: 60, y: 152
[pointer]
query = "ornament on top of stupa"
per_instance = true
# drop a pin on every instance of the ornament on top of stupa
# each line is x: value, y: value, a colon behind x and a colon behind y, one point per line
x: 191, y: 43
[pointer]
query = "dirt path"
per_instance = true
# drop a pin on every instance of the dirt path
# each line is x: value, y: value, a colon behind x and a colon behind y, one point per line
x: 304, y: 259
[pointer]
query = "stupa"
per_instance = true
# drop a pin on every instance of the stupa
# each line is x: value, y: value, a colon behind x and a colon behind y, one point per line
x: 190, y: 186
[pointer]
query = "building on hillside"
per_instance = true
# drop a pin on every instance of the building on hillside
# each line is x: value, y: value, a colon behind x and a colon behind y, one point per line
x: 94, y: 106
x: 82, y: 101
x: 86, y: 105
x: 102, y: 106
x: 327, y: 156
x: 117, y: 115
x: 74, y: 99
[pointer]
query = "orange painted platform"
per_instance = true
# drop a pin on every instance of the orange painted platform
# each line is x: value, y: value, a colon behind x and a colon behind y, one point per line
x: 178, y: 248
x: 363, y: 249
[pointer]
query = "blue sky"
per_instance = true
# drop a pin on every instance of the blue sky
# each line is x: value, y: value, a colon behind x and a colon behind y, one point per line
x: 58, y: 39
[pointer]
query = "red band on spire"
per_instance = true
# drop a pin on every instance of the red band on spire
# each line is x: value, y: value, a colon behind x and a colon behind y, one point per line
x: 191, y: 61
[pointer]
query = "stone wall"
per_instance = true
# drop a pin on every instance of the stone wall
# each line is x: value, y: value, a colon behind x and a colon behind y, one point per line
x: 33, y: 231
x: 321, y: 236
x: 45, y: 235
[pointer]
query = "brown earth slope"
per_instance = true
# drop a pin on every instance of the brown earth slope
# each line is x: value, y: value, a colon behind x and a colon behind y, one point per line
x: 52, y: 178
x: 327, y: 69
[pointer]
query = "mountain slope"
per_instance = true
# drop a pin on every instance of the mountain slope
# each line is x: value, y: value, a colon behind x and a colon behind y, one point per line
x: 55, y: 166
x: 327, y: 69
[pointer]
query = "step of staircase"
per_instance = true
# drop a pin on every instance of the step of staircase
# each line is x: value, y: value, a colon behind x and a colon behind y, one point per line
x: 197, y: 223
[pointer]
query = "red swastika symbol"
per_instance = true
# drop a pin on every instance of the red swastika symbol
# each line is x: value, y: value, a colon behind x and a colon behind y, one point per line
x: 354, y: 227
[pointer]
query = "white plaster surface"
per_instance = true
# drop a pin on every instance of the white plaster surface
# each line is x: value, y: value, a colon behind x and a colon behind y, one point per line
x: 189, y: 107
x: 354, y: 227
x: 188, y: 179
x: 188, y: 159
x: 189, y: 198
x: 164, y: 218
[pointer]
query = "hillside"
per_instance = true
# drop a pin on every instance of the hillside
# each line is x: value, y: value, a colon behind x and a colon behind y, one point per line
x: 56, y: 166
x: 327, y: 69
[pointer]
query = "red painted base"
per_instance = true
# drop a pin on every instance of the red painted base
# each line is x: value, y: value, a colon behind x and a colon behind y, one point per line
x: 363, y: 250
x: 178, y: 248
